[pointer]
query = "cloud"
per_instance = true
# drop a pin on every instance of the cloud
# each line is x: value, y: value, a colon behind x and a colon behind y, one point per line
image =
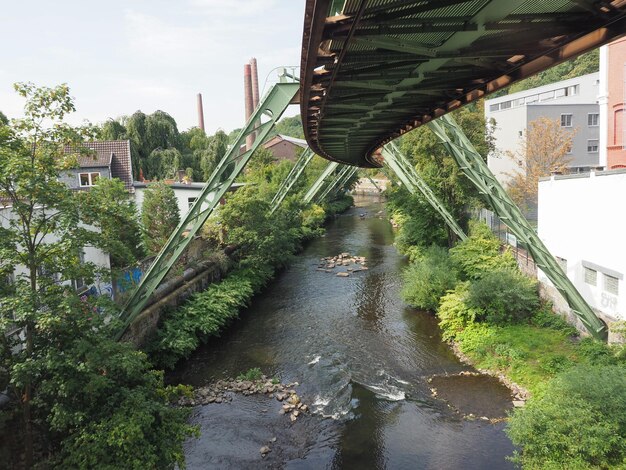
x: 234, y: 9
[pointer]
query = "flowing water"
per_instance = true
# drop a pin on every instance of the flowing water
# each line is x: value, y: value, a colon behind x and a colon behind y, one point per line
x: 362, y: 358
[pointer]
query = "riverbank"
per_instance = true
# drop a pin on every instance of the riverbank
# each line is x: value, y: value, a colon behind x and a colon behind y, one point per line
x: 362, y: 360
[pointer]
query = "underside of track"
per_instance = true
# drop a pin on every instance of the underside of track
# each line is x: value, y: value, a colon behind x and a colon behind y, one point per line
x: 375, y: 69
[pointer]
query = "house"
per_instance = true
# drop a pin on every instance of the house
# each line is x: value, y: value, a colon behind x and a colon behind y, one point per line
x: 612, y: 98
x: 185, y: 193
x: 110, y: 159
x: 573, y: 102
x: 284, y: 147
x: 581, y: 221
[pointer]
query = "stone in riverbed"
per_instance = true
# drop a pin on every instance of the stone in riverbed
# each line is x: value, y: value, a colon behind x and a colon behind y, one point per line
x: 343, y: 274
x: 265, y: 450
x: 519, y: 403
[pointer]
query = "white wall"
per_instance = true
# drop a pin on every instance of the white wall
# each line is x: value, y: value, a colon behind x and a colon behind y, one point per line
x: 582, y: 219
x: 181, y: 191
x: 507, y: 130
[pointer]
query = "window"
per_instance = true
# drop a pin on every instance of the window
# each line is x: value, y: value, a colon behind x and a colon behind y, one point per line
x: 611, y: 284
x: 532, y: 99
x: 560, y: 92
x: 519, y: 102
x: 88, y: 179
x: 592, y: 119
x: 494, y: 107
x: 566, y: 120
x: 562, y: 263
x: 592, y: 146
x: 505, y: 105
x: 191, y: 201
x: 591, y: 276
x: 572, y: 90
x: 548, y: 95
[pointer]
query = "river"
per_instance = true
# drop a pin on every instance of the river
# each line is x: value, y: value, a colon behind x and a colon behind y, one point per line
x: 362, y: 358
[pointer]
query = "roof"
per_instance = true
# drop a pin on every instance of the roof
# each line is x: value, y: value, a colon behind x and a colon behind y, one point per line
x: 111, y: 153
x: 299, y: 142
x: 373, y: 70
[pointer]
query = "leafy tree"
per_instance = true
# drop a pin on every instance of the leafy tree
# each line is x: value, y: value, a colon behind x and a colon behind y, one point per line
x: 3, y: 119
x: 113, y: 130
x: 40, y: 231
x: 163, y: 164
x: 579, y: 422
x: 111, y: 209
x: 290, y: 126
x: 440, y: 171
x: 160, y: 215
x: 211, y: 156
x: 544, y: 149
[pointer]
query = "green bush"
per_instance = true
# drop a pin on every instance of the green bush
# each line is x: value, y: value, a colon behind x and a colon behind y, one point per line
x: 480, y: 253
x: 251, y: 374
x: 454, y: 314
x: 579, y: 422
x: 503, y: 296
x: 544, y: 317
x: 428, y: 278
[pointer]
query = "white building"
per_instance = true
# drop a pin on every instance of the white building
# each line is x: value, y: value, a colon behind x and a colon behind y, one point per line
x: 583, y: 224
x: 186, y: 194
x: 574, y: 102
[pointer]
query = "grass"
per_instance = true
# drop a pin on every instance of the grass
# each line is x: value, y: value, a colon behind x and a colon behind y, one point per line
x: 527, y: 354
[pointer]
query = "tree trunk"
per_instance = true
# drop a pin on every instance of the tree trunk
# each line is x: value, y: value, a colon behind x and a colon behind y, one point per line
x: 27, y: 397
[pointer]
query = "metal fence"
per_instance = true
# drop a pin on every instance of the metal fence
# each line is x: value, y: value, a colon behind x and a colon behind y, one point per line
x: 524, y: 260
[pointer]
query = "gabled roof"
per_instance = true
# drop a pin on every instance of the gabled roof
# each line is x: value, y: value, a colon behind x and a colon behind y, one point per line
x: 111, y: 153
x: 299, y: 142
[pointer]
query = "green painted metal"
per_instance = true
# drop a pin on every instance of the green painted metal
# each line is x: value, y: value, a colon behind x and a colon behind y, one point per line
x: 374, y: 183
x: 338, y: 181
x: 413, y: 182
x: 319, y: 182
x: 260, y: 124
x: 292, y: 177
x: 474, y: 167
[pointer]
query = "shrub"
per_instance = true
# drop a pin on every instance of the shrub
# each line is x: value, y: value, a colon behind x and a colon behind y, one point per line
x: 480, y: 253
x: 454, y: 314
x: 251, y: 374
x: 503, y: 296
x: 544, y: 317
x: 428, y: 278
x: 579, y: 421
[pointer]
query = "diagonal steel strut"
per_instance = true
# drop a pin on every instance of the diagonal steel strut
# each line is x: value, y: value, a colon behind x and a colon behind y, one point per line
x: 471, y: 163
x: 260, y: 124
x: 413, y: 182
x: 292, y: 177
x: 319, y: 182
x: 340, y: 178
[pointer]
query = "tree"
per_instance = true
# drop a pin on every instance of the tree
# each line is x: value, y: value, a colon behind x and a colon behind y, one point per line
x: 544, y: 149
x: 440, y: 171
x: 110, y: 208
x: 163, y: 163
x: 578, y: 422
x: 159, y: 214
x: 211, y: 156
x: 40, y: 231
x: 89, y: 401
x: 3, y: 119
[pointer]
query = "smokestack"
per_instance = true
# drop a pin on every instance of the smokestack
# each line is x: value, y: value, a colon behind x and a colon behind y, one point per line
x: 200, y: 112
x: 247, y: 90
x: 255, y: 83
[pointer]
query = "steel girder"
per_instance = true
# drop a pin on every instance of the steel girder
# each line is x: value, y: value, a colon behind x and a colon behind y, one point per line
x: 260, y: 124
x: 413, y: 182
x: 319, y: 182
x: 292, y: 177
x: 471, y: 163
x: 341, y: 178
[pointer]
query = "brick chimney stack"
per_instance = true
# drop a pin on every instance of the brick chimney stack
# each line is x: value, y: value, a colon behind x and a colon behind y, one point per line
x: 255, y: 83
x: 247, y: 87
x: 200, y: 112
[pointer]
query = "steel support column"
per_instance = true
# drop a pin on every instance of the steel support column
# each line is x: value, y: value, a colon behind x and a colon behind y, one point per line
x: 413, y: 182
x: 319, y: 182
x: 264, y: 117
x: 474, y: 167
x: 341, y: 178
x: 292, y: 177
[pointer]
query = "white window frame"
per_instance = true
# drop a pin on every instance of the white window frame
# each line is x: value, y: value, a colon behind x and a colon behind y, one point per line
x: 89, y: 178
x: 589, y: 119
x: 608, y: 287
x: 590, y: 274
x: 590, y: 147
x: 571, y: 119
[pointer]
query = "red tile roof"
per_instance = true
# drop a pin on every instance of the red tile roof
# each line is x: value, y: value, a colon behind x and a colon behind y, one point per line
x: 113, y: 153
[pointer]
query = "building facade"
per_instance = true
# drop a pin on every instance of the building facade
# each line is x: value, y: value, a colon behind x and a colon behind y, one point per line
x: 581, y: 221
x: 284, y: 147
x: 573, y: 102
x: 612, y: 104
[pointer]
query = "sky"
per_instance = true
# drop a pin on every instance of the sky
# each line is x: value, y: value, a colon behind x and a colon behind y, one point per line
x: 122, y: 56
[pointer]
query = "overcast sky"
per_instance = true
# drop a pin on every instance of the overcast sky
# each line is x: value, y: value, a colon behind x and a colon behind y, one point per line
x: 122, y: 56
